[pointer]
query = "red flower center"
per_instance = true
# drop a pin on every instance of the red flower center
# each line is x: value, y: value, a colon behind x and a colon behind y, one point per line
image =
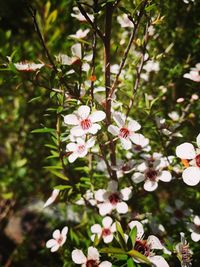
x: 114, y: 198
x: 106, y: 232
x: 92, y: 263
x: 124, y: 132
x: 86, y: 124
x: 197, y: 159
x: 142, y: 247
x: 151, y: 175
x: 59, y: 240
x: 81, y: 148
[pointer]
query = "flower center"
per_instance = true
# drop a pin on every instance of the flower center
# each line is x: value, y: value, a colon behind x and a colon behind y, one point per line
x: 138, y: 147
x: 114, y: 198
x: 59, y: 240
x: 86, y: 124
x: 142, y: 247
x: 92, y: 263
x: 197, y: 159
x: 81, y: 149
x: 151, y: 175
x: 124, y: 132
x: 106, y: 232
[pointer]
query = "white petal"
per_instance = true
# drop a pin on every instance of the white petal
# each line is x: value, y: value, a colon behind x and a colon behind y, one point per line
x: 113, y: 130
x: 64, y: 231
x: 112, y: 186
x: 185, y: 151
x: 78, y: 257
x: 97, y: 116
x: 196, y: 220
x: 191, y: 176
x: 142, y: 167
x: 55, y: 248
x: 107, y: 239
x: 198, y: 140
x: 154, y: 242
x: 50, y: 243
x: 150, y: 186
x: 165, y: 176
x: 105, y: 264
x: 93, y: 254
x: 126, y: 193
x: 83, y: 111
x: 133, y: 125
x: 77, y: 131
x: 195, y: 237
x: 90, y: 143
x: 53, y: 197
x: 76, y: 50
x: 122, y: 207
x: 119, y: 118
x: 140, y: 229
x: 96, y: 228
x: 71, y: 147
x: 126, y: 143
x: 94, y: 128
x: 107, y: 221
x: 73, y: 157
x: 56, y: 234
x: 71, y: 119
x: 105, y: 208
x: 99, y: 195
x: 158, y: 261
x: 140, y: 140
x: 138, y: 177
x: 135, y: 138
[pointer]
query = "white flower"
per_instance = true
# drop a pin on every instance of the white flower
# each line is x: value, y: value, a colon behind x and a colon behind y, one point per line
x: 125, y: 132
x: 84, y: 121
x: 79, y: 149
x: 105, y: 232
x: 194, y: 228
x: 142, y: 145
x: 79, y: 16
x: 80, y: 34
x: 151, y: 66
x: 52, y: 198
x: 113, y: 199
x: 92, y: 259
x: 28, y: 66
x: 194, y: 73
x: 88, y: 196
x: 146, y: 247
x: 124, y: 21
x: 123, y: 167
x: 151, y: 172
x: 191, y: 160
x: 58, y: 240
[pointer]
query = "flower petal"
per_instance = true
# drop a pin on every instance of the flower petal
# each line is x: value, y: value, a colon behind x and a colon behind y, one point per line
x: 191, y: 176
x: 52, y: 198
x: 113, y: 130
x: 185, y: 151
x: 195, y: 237
x: 55, y: 248
x: 119, y: 118
x: 78, y: 257
x: 83, y: 111
x: 76, y: 50
x: 158, y: 261
x: 154, y: 242
x: 107, y: 221
x: 126, y: 143
x: 150, y: 185
x: 139, y: 226
x: 50, y: 243
x: 73, y: 157
x: 133, y: 125
x: 77, y: 131
x: 165, y: 176
x: 112, y: 186
x: 97, y: 116
x: 71, y: 147
x: 138, y: 177
x: 99, y: 195
x: 94, y: 128
x: 122, y: 207
x: 105, y: 208
x: 64, y: 231
x: 105, y: 264
x: 71, y: 119
x: 126, y: 193
x: 56, y: 234
x: 96, y: 229
x: 198, y: 140
x: 196, y: 220
x: 93, y: 254
x: 107, y: 239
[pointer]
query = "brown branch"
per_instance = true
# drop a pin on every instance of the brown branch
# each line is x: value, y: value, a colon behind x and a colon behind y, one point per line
x: 95, y: 28
x: 132, y: 37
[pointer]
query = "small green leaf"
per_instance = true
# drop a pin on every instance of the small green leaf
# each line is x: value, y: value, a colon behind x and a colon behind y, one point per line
x: 130, y: 263
x: 132, y: 237
x: 62, y: 187
x: 43, y: 130
x: 113, y: 250
x: 34, y: 99
x: 120, y: 234
x: 137, y: 255
x: 60, y: 175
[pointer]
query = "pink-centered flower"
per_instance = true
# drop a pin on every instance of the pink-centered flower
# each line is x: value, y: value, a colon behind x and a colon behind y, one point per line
x: 125, y: 131
x: 147, y: 247
x: 52, y: 198
x: 79, y: 149
x: 105, y: 231
x: 194, y: 73
x: 92, y: 259
x: 80, y: 34
x: 112, y: 199
x: 194, y: 228
x: 84, y: 121
x: 191, y: 159
x: 28, y: 66
x: 58, y: 239
x: 151, y: 172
